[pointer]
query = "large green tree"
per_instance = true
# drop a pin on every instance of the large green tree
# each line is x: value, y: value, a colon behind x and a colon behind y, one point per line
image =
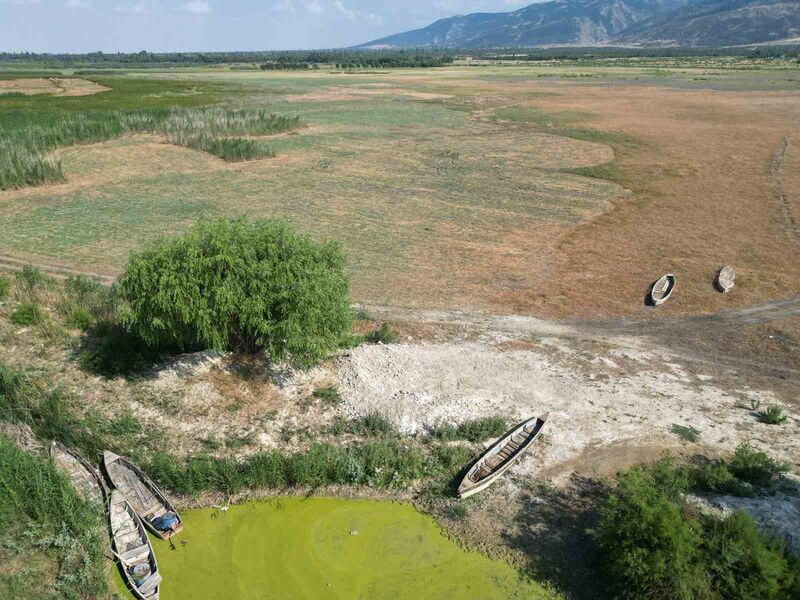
x: 239, y: 284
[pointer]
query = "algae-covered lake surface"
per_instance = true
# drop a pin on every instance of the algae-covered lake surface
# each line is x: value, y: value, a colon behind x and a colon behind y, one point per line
x: 328, y: 548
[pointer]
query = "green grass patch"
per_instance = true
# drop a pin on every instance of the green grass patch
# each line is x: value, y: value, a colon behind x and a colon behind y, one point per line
x: 27, y: 314
x: 474, y: 430
x: 54, y: 536
x: 328, y: 394
x: 686, y: 432
x: 748, y: 472
x: 5, y: 287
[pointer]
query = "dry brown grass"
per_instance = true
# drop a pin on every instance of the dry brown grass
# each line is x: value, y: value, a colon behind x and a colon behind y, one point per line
x: 54, y: 85
x: 703, y: 197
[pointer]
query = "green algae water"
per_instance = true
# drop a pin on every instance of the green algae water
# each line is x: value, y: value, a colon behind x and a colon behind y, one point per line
x: 320, y: 548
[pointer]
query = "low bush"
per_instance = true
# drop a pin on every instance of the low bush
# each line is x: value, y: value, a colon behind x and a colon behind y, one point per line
x: 238, y: 284
x: 755, y: 467
x: 772, y: 415
x: 656, y: 546
x: 371, y: 424
x: 474, y: 430
x: 27, y: 314
x: 383, y: 335
x: 744, y: 474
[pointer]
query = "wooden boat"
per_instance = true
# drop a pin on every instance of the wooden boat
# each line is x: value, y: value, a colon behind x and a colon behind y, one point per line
x: 133, y: 549
x: 726, y: 279
x: 497, y: 459
x: 145, y: 497
x: 662, y: 289
x: 84, y: 476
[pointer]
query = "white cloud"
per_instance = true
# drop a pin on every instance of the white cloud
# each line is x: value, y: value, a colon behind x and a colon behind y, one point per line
x: 314, y: 7
x: 352, y: 15
x: 195, y: 7
x: 78, y: 4
x: 136, y: 8
x: 286, y: 6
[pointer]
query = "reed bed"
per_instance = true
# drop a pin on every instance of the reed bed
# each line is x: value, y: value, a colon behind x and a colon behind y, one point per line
x: 26, y: 156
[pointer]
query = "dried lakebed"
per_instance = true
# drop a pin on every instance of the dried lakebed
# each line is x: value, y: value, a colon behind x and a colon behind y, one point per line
x: 327, y: 548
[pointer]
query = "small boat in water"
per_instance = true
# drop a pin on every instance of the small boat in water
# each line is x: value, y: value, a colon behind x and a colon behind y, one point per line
x: 84, y: 476
x: 149, y: 502
x: 662, y: 289
x: 497, y: 459
x: 726, y: 279
x: 133, y: 549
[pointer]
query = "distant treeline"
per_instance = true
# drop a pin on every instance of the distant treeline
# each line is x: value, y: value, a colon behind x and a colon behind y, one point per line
x: 381, y: 59
x: 272, y: 60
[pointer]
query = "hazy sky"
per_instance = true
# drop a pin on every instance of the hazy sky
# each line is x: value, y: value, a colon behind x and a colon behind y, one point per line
x: 167, y: 25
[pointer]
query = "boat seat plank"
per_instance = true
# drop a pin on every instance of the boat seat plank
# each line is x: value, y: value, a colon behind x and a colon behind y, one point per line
x: 131, y: 554
x: 151, y: 584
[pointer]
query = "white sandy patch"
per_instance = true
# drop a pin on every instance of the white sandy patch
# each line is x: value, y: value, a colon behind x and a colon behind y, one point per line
x: 421, y: 386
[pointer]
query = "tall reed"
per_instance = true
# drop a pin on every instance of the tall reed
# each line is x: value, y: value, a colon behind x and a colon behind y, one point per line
x: 26, y: 155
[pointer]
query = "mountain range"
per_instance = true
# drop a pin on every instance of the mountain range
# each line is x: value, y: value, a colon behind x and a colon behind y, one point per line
x: 621, y: 22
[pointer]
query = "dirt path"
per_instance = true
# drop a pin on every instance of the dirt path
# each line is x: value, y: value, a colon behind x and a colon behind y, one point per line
x: 776, y: 176
x: 16, y: 264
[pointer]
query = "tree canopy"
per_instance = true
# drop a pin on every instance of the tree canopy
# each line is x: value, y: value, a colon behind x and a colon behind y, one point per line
x: 239, y: 284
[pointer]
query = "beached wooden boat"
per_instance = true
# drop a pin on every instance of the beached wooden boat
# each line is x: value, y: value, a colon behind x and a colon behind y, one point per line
x: 84, y: 476
x: 662, y: 289
x: 726, y: 279
x: 133, y: 549
x: 145, y: 497
x: 497, y: 459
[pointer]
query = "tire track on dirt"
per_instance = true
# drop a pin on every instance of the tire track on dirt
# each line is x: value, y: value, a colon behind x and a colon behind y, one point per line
x: 776, y: 178
x: 16, y: 264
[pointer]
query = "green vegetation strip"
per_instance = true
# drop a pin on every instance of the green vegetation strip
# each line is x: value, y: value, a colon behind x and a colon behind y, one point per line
x: 55, y: 536
x: 25, y: 157
x: 328, y: 548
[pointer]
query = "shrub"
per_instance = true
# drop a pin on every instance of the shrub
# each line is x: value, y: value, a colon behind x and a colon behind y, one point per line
x: 772, y: 415
x: 651, y: 551
x: 5, y: 287
x: 475, y: 430
x: 27, y: 314
x: 328, y: 394
x: 743, y: 562
x: 747, y: 470
x: 384, y: 335
x: 656, y: 546
x: 754, y: 467
x: 233, y: 283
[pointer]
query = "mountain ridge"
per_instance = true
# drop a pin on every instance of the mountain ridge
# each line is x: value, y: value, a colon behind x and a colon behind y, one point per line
x: 593, y: 22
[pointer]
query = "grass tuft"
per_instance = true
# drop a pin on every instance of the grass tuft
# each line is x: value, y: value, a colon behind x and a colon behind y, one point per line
x: 27, y: 314
x: 772, y: 415
x: 329, y: 395
x: 384, y: 335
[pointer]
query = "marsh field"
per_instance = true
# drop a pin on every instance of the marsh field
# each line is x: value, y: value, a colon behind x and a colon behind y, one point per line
x: 502, y: 223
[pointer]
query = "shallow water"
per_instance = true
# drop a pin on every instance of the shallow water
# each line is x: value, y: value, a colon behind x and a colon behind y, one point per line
x: 327, y: 548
